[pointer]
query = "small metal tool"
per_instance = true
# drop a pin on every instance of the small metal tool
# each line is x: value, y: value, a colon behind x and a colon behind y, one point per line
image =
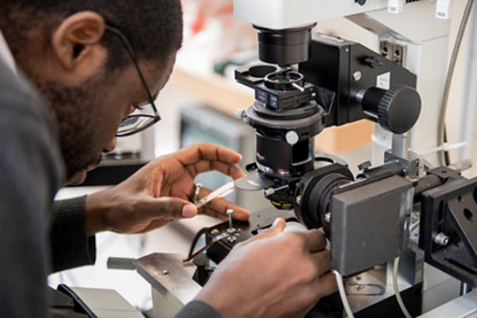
x: 270, y: 191
x: 300, y: 88
x: 198, y: 187
x: 231, y: 230
x: 230, y: 212
x: 223, y: 191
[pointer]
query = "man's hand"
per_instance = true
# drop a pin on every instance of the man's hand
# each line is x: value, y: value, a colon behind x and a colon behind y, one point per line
x: 162, y: 192
x: 274, y: 274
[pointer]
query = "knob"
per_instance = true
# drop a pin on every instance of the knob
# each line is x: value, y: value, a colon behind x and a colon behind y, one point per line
x: 373, y: 62
x: 240, y: 114
x: 396, y: 110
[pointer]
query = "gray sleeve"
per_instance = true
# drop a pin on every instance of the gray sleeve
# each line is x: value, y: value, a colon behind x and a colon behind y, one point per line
x: 198, y: 309
x: 68, y: 242
x: 30, y: 175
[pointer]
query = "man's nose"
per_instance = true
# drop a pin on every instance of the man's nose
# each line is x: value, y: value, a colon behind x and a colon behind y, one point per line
x: 110, y: 147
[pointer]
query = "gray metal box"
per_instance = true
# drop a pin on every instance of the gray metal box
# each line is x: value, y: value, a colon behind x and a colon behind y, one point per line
x: 369, y: 224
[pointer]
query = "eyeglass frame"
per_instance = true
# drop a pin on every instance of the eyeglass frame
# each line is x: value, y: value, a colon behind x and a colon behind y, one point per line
x: 156, y: 116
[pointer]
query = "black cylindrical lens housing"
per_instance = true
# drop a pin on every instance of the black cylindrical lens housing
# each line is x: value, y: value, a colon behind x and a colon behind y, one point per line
x: 278, y: 158
x: 284, y: 47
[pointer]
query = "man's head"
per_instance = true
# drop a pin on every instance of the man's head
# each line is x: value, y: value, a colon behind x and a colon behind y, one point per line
x: 84, y: 70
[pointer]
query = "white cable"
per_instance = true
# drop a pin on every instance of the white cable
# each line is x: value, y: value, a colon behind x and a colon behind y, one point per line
x: 344, y: 299
x: 396, y: 289
x: 414, y: 226
x: 450, y: 75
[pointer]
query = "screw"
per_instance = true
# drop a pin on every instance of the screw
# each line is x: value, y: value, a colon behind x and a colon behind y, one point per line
x: 301, y: 89
x: 240, y: 114
x: 292, y: 137
x: 230, y: 212
x: 365, y: 165
x: 165, y: 272
x: 298, y: 199
x: 441, y: 239
x: 357, y: 76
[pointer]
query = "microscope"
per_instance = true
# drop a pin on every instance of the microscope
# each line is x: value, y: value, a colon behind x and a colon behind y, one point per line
x: 409, y: 206
x: 406, y: 204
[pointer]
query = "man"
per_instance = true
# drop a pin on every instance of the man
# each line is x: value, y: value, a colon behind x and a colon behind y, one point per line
x: 93, y: 62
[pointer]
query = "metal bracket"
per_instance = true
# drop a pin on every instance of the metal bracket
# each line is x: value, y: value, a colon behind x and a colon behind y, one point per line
x: 171, y: 281
x: 393, y: 52
x: 451, y: 211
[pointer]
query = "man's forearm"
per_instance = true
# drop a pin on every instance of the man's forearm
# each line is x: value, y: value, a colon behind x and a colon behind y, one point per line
x: 95, y: 207
x: 70, y: 247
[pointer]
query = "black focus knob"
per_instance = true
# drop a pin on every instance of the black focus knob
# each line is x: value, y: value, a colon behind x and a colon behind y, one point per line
x: 397, y: 109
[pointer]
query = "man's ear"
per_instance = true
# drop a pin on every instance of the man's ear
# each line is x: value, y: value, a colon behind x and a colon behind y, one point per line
x: 77, y: 37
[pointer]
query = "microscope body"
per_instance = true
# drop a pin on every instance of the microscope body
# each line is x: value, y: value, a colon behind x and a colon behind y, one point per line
x: 313, y: 82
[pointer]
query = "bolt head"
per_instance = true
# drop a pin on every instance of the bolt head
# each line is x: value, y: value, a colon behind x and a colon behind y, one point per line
x: 441, y: 239
x: 240, y: 114
x: 298, y: 199
x: 292, y: 137
x: 357, y: 76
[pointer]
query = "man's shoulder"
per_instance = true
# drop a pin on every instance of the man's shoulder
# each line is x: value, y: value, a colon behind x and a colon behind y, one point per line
x: 19, y: 97
x: 26, y: 120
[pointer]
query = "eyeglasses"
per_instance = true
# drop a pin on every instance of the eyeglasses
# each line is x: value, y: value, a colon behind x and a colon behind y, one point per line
x: 135, y: 123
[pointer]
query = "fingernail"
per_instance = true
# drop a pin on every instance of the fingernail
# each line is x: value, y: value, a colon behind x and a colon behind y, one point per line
x: 188, y: 211
x: 277, y: 220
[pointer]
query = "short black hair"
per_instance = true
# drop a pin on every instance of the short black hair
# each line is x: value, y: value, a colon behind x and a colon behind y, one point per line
x: 153, y: 27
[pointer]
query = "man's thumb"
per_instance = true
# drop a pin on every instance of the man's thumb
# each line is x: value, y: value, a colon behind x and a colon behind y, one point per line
x: 277, y: 227
x: 175, y: 208
x: 188, y: 210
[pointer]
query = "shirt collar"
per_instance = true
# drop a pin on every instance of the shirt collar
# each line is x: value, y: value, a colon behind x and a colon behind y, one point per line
x: 5, y: 53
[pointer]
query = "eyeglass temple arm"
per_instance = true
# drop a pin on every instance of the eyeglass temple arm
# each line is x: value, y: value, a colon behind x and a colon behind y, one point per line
x: 135, y: 62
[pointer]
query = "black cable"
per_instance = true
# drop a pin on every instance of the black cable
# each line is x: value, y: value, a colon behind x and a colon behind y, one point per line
x: 195, y: 240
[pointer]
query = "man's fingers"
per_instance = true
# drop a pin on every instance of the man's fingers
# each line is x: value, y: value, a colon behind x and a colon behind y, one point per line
x: 277, y: 227
x: 167, y: 207
x: 323, y: 260
x: 219, y: 206
x: 326, y: 284
x: 229, y: 169
x: 315, y: 240
x: 208, y: 152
